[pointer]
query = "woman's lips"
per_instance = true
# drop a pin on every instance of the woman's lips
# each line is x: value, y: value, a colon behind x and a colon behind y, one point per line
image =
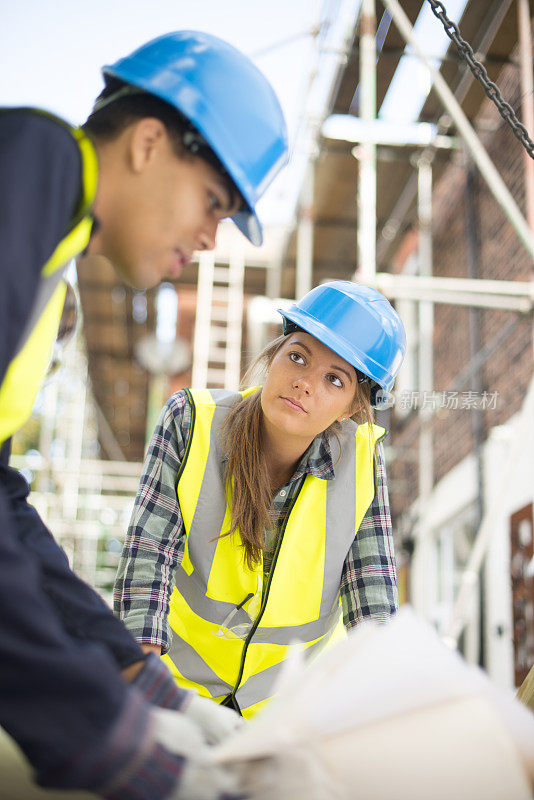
x: 293, y: 404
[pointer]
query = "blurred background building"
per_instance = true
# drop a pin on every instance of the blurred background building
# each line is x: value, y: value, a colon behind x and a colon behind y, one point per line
x: 408, y: 203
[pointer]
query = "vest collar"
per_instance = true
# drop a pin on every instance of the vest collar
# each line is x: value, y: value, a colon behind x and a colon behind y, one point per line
x: 317, y: 460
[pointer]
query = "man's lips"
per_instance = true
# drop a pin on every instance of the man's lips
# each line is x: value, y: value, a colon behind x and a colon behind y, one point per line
x: 180, y: 260
x: 291, y: 402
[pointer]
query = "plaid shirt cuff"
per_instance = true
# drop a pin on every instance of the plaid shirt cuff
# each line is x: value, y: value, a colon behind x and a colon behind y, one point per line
x: 147, y: 628
x: 157, y: 685
x: 128, y: 765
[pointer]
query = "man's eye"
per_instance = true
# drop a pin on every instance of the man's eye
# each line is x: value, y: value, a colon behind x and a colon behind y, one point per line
x: 214, y: 202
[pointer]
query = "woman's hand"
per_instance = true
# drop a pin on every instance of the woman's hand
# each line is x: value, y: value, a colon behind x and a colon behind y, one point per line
x: 151, y: 648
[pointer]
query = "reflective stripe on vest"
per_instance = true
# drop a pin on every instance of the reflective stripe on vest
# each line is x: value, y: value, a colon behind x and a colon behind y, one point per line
x: 299, y: 603
x: 28, y: 367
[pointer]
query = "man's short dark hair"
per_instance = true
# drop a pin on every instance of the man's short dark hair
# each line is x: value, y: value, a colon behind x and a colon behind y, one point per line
x: 108, y: 122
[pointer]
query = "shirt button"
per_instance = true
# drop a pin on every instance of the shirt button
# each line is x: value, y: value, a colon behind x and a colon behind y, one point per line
x: 283, y: 493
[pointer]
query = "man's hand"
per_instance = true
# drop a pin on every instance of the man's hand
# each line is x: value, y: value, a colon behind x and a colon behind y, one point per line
x: 157, y: 685
x: 216, y: 722
x: 131, y: 672
x: 201, y: 778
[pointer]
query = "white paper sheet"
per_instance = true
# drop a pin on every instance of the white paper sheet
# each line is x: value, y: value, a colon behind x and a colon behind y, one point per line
x: 386, y: 678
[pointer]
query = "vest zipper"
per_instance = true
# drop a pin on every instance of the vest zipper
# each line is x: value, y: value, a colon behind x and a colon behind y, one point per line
x: 232, y: 698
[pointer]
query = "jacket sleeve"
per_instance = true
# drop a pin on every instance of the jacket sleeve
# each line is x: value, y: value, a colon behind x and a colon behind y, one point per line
x: 155, y: 540
x: 40, y: 176
x: 40, y: 180
x: 63, y: 700
x: 369, y: 579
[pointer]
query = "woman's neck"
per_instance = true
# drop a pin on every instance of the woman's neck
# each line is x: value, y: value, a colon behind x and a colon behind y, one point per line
x: 282, y: 453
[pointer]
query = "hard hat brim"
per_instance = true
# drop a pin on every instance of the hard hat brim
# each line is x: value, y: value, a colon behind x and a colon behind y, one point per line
x: 248, y: 223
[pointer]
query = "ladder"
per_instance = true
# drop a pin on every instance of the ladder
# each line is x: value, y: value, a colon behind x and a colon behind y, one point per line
x: 219, y: 321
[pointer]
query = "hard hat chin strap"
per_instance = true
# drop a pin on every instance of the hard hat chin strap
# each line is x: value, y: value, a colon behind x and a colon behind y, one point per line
x: 125, y: 91
x: 192, y: 140
x: 290, y: 327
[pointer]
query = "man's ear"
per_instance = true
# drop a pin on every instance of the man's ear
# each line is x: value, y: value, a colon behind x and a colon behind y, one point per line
x: 146, y: 136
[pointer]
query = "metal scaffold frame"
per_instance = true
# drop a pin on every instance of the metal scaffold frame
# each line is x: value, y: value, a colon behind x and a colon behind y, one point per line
x: 425, y: 289
x: 86, y: 501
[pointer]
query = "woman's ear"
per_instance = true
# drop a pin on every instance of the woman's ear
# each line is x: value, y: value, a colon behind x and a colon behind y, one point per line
x: 350, y: 411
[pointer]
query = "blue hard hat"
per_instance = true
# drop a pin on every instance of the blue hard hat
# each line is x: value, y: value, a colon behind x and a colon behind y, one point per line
x: 356, y: 322
x: 227, y: 99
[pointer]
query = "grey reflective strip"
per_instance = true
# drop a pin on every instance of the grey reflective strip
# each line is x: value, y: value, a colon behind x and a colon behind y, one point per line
x: 261, y: 685
x: 302, y: 633
x: 216, y: 611
x: 195, y: 669
x: 225, y: 397
x: 258, y: 687
x: 211, y: 610
x: 210, y: 509
x: 340, y: 507
x: 47, y: 286
x: 211, y: 505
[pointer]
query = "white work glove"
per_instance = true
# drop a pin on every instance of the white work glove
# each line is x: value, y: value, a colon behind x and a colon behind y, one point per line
x: 216, y: 722
x: 204, y: 780
x: 177, y: 733
x: 201, y: 778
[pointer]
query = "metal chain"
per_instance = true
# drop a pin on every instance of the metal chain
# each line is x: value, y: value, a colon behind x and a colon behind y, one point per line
x: 464, y: 48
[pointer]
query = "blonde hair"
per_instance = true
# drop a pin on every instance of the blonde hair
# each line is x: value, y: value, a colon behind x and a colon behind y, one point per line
x: 246, y: 476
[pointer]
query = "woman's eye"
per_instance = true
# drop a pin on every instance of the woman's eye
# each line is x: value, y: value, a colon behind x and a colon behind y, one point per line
x: 296, y: 358
x: 335, y: 381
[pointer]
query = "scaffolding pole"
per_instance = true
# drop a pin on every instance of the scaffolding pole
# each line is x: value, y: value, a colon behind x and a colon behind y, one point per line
x: 486, y: 166
x: 423, y: 551
x: 305, y: 235
x: 492, y: 22
x: 426, y: 325
x: 527, y: 105
x: 366, y: 151
x: 478, y: 292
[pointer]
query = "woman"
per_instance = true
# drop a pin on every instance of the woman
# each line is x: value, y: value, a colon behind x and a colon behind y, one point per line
x: 267, y: 510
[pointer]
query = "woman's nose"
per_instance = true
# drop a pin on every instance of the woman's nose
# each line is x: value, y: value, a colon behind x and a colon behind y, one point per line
x: 303, y: 384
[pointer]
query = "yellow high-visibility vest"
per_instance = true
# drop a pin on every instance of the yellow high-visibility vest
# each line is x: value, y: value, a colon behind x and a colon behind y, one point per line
x: 231, y: 633
x: 28, y: 367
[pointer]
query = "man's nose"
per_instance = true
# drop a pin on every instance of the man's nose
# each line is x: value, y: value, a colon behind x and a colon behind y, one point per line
x: 207, y: 236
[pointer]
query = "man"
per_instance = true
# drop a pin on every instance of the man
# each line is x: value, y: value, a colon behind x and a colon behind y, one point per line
x: 185, y: 133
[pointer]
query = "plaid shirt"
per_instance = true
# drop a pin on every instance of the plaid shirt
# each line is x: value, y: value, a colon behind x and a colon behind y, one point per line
x: 155, y: 541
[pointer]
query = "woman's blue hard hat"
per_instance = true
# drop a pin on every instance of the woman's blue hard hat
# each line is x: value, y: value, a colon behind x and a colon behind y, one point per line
x: 356, y: 322
x: 227, y: 99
